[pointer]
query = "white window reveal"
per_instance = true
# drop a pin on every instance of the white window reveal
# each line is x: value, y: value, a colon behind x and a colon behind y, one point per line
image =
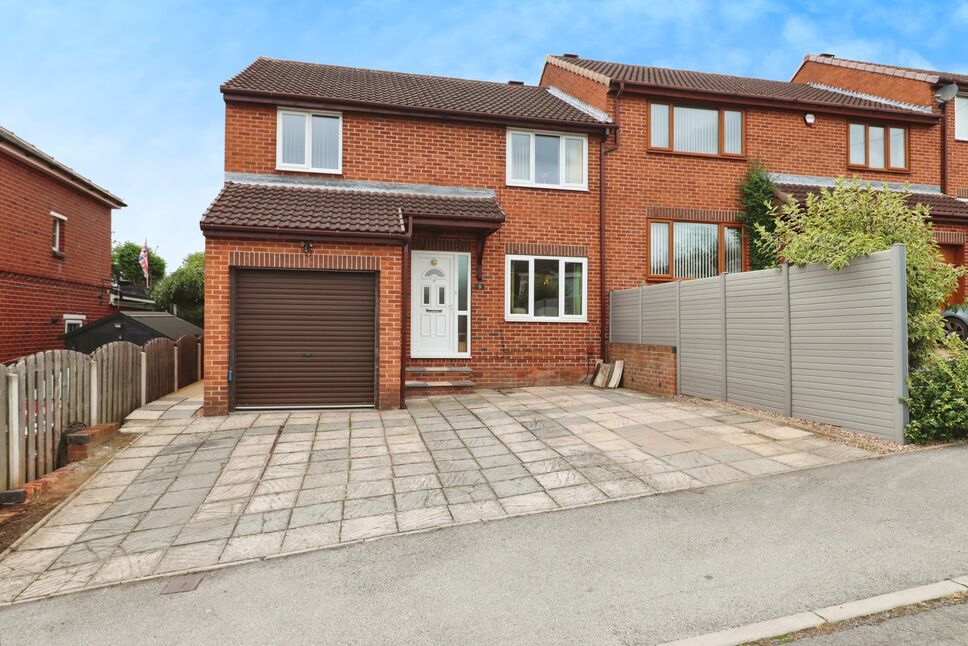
x: 57, y: 239
x: 546, y: 289
x: 73, y: 322
x: 961, y: 117
x: 547, y: 159
x: 309, y: 141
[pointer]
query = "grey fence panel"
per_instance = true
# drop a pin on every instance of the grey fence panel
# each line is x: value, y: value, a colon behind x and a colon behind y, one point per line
x: 757, y: 354
x: 4, y: 427
x: 625, y: 324
x: 847, y: 330
x: 660, y: 317
x: 701, y: 339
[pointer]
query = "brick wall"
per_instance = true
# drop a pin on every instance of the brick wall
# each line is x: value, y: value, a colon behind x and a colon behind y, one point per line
x: 591, y: 91
x: 423, y: 151
x: 36, y: 286
x: 221, y: 253
x: 648, y: 368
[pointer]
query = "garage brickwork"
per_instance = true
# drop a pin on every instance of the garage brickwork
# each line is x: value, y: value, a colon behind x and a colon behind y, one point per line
x: 222, y: 254
x: 36, y: 287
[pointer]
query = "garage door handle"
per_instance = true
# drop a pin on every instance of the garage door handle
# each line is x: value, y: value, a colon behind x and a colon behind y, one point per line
x: 307, y: 354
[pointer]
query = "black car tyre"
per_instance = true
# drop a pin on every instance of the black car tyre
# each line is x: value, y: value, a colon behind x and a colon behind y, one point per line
x: 954, y: 325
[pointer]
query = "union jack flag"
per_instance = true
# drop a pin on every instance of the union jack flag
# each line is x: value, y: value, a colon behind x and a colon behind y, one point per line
x: 143, y: 260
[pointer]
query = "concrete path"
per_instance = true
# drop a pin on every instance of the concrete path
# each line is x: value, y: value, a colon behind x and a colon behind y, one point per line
x: 640, y: 571
x: 194, y: 493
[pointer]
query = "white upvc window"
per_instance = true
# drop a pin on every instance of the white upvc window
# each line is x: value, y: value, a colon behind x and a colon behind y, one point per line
x: 57, y: 239
x: 73, y: 321
x: 961, y: 117
x: 542, y: 288
x: 309, y: 141
x: 547, y: 159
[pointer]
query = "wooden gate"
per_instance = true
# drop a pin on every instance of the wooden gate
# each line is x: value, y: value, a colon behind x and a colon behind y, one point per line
x: 118, y: 371
x: 159, y: 358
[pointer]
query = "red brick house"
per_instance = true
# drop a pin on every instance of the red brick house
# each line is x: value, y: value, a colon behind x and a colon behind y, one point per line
x: 945, y: 94
x: 55, y: 259
x: 383, y: 232
x: 684, y: 140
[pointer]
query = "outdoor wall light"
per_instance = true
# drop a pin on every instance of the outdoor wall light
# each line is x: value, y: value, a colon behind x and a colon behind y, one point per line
x: 809, y: 118
x: 307, y: 246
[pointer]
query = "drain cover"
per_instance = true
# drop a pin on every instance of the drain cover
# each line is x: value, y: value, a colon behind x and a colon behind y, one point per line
x: 183, y: 584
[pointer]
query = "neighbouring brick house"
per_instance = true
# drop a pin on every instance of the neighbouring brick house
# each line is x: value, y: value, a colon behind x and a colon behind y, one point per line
x: 55, y: 254
x: 384, y: 233
x: 381, y: 232
x: 945, y: 94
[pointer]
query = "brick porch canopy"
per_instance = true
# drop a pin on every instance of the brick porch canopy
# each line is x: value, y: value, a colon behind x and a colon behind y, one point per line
x: 942, y: 206
x: 308, y: 209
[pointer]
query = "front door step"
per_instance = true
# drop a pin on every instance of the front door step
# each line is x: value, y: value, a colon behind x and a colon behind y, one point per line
x: 460, y: 383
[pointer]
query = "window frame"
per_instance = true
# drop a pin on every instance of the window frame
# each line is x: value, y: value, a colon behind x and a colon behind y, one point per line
x: 562, y: 138
x: 963, y: 97
x: 530, y: 317
x: 57, y: 235
x: 71, y: 319
x: 306, y: 166
x: 671, y: 150
x: 887, y: 147
x: 720, y: 244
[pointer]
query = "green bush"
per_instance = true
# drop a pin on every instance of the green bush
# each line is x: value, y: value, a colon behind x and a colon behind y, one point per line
x: 854, y: 220
x: 938, y: 397
x: 184, y: 288
x: 756, y: 191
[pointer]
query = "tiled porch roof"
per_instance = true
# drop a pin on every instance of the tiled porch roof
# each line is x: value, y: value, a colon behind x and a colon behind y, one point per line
x: 941, y: 205
x: 278, y: 207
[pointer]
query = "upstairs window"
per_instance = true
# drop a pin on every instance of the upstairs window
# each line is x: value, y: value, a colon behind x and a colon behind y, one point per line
x: 57, y: 237
x: 547, y: 159
x: 877, y: 147
x: 309, y: 141
x: 698, y: 131
x: 961, y: 117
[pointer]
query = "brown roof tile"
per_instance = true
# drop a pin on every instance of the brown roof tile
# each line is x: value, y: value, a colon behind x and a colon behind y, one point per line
x: 286, y: 207
x: 738, y: 86
x: 941, y: 205
x: 414, y: 91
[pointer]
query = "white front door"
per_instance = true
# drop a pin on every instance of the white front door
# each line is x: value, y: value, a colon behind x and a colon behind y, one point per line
x: 434, y: 303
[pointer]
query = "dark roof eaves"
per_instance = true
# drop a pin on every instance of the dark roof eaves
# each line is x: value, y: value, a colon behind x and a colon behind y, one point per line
x: 310, y: 101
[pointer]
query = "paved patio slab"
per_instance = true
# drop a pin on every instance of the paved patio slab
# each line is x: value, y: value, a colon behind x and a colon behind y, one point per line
x: 192, y: 493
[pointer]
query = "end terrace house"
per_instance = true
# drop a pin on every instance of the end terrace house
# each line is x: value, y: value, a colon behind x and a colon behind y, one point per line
x: 383, y: 233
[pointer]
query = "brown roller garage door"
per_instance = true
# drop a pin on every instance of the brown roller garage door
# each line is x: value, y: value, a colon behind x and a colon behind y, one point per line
x: 304, y: 338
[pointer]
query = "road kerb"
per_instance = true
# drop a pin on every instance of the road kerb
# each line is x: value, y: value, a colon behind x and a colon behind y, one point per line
x: 830, y: 614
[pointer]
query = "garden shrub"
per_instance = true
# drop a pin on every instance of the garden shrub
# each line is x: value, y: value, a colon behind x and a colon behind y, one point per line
x: 756, y: 191
x: 938, y: 398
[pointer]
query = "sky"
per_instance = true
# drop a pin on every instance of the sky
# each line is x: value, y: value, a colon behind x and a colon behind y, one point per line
x: 127, y: 93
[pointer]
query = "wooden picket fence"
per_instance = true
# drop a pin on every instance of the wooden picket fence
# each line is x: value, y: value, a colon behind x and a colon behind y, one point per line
x: 44, y: 394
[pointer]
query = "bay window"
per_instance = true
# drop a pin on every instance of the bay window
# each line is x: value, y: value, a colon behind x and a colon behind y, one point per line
x: 695, y: 130
x: 877, y: 147
x: 546, y: 159
x: 694, y: 249
x: 309, y: 141
x: 546, y: 289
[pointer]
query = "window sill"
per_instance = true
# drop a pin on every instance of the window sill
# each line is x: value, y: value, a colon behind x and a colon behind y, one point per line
x: 538, y: 319
x: 680, y: 153
x: 57, y: 254
x: 452, y: 355
x: 549, y: 187
x: 303, y: 169
x: 868, y: 169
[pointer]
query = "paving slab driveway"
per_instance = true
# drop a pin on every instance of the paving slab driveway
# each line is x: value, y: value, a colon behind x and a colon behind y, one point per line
x: 199, y: 492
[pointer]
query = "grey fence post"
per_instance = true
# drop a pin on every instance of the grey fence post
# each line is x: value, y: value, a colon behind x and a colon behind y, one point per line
x: 899, y: 310
x: 144, y: 378
x: 788, y: 341
x: 678, y: 342
x: 94, y: 391
x: 198, y: 362
x: 14, y: 472
x: 176, y: 366
x: 722, y: 313
x: 641, y: 324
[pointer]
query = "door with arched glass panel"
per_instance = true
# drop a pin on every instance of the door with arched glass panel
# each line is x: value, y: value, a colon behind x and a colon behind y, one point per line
x: 440, y: 304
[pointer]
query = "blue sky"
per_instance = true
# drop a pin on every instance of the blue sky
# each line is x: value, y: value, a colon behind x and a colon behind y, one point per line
x: 127, y: 92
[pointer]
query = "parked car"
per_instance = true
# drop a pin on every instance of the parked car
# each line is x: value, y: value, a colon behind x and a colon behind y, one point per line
x: 956, y: 321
